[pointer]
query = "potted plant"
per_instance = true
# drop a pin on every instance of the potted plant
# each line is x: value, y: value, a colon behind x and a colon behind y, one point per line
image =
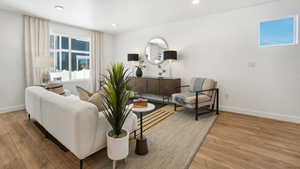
x: 116, y: 111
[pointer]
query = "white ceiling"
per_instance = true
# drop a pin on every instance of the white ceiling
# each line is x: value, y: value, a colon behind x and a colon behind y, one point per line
x: 127, y: 14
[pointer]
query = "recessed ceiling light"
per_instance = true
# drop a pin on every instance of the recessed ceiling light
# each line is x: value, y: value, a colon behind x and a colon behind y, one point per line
x: 114, y: 25
x: 59, y: 7
x: 195, y: 2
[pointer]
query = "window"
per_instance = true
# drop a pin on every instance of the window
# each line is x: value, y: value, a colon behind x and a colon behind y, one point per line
x: 71, y: 58
x: 279, y: 32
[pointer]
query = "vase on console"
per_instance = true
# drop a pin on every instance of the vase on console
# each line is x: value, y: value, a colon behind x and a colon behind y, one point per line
x: 139, y: 68
x: 139, y: 72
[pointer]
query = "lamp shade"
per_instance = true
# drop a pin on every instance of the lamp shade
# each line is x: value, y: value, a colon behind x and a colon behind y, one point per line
x: 170, y: 55
x: 133, y: 57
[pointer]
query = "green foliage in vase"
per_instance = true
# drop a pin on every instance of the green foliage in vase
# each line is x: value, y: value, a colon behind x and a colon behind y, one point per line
x: 116, y: 97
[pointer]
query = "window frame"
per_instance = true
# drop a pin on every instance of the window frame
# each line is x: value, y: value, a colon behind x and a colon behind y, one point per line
x: 69, y: 51
x: 296, y: 34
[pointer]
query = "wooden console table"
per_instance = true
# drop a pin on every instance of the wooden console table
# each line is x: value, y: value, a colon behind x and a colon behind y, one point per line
x: 157, y: 86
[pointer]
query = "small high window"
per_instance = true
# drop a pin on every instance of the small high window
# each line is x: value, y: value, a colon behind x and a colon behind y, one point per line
x: 279, y: 32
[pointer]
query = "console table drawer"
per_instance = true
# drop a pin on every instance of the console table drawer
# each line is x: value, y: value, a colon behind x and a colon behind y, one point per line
x: 156, y: 86
x: 168, y: 87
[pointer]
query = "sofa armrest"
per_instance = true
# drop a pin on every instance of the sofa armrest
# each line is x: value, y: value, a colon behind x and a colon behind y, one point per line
x: 72, y: 122
x: 33, y: 102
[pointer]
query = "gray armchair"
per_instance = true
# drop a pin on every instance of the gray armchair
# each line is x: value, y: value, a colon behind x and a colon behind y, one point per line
x: 202, y: 94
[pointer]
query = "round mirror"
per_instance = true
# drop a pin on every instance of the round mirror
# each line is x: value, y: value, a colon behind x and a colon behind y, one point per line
x: 154, y: 50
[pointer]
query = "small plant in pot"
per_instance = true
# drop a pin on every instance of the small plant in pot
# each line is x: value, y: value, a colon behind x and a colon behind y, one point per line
x: 116, y: 111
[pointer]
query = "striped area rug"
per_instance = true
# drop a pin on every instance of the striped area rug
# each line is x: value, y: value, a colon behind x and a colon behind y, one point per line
x: 154, y: 119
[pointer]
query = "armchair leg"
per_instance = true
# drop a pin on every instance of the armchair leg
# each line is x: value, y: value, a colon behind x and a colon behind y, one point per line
x: 175, y: 106
x: 217, y: 102
x: 197, y: 106
x: 213, y: 107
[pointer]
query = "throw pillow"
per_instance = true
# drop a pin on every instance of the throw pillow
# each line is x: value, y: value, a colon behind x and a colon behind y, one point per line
x: 97, y: 99
x: 83, y: 94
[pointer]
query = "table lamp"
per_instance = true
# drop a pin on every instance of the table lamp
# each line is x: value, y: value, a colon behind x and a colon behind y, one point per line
x: 133, y: 58
x: 170, y: 55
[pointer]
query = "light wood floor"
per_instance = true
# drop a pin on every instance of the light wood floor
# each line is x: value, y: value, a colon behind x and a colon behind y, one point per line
x: 234, y: 142
x: 246, y: 142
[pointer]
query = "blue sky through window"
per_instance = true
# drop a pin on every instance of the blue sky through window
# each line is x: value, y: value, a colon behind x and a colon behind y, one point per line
x: 278, y: 32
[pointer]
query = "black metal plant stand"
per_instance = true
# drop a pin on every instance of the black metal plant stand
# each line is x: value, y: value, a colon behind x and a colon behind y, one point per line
x: 141, y: 147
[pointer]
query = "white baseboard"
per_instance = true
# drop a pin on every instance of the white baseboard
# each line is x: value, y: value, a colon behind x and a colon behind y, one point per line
x: 293, y: 119
x: 12, y: 108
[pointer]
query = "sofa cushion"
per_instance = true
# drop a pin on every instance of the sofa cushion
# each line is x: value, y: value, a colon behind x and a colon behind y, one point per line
x: 201, y: 99
x: 192, y: 106
x: 190, y: 98
x: 196, y: 84
x: 208, y: 84
x: 97, y: 99
x: 83, y: 94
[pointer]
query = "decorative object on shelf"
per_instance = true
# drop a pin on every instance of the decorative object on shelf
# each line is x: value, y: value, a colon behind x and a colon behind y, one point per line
x: 170, y: 55
x: 116, y: 112
x: 45, y: 77
x: 139, y: 68
x: 154, y: 50
x: 162, y: 71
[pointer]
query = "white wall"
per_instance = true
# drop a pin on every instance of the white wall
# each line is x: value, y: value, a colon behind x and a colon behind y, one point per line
x: 108, y: 51
x: 223, y: 47
x: 12, y: 62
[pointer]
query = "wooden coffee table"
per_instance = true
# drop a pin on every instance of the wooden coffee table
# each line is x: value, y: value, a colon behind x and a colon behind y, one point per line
x: 141, y: 147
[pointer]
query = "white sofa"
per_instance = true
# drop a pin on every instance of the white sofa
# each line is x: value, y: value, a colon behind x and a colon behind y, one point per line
x: 74, y: 123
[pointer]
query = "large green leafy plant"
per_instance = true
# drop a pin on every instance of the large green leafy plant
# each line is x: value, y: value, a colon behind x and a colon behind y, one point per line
x: 116, y: 97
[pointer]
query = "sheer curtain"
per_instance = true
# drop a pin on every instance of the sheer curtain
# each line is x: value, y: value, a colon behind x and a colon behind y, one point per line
x: 96, y: 59
x: 36, y: 46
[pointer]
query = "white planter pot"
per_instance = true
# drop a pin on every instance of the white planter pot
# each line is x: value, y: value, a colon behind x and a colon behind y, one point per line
x: 117, y: 148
